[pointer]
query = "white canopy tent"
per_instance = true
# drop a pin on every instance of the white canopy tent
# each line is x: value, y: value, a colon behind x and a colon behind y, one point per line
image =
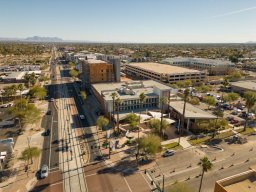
x: 156, y: 114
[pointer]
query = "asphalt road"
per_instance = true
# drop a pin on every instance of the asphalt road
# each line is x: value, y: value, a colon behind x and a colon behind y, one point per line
x: 94, y: 151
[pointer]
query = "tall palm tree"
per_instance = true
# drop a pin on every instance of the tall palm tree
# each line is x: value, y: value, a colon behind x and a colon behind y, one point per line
x: 185, y: 98
x: 206, y: 165
x: 113, y: 95
x: 163, y: 101
x: 20, y: 88
x: 118, y: 102
x: 250, y: 100
x: 143, y: 98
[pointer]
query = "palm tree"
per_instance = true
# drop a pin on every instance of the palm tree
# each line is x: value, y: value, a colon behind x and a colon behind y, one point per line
x: 143, y: 98
x: 113, y: 95
x: 206, y: 165
x: 186, y: 94
x: 118, y: 102
x: 250, y: 100
x: 163, y: 101
x: 101, y: 123
x: 20, y: 88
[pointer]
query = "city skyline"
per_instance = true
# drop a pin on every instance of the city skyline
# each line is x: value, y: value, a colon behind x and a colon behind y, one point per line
x: 132, y: 22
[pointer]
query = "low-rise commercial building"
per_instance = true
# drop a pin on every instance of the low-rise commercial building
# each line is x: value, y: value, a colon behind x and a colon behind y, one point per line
x: 243, y: 86
x: 242, y: 182
x: 13, y: 77
x: 213, y: 66
x: 129, y: 93
x: 164, y: 73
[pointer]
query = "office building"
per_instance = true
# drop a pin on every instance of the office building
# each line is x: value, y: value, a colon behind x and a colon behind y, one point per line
x: 163, y: 73
x: 243, y: 86
x: 213, y: 66
x: 129, y: 93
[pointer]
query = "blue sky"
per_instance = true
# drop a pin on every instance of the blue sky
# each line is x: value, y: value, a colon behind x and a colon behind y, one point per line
x: 162, y: 21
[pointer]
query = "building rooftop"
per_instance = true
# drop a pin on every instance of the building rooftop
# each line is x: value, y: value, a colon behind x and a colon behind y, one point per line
x: 95, y: 61
x: 162, y: 68
x: 201, y: 60
x: 191, y: 111
x: 136, y: 88
x: 13, y: 75
x: 249, y: 85
x: 245, y: 181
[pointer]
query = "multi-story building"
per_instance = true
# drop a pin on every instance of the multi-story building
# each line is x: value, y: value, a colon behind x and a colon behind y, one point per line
x: 96, y: 71
x: 129, y: 93
x: 213, y: 66
x: 164, y: 73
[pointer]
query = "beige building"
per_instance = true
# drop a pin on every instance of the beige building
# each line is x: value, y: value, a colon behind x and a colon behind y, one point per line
x: 96, y: 71
x: 242, y: 182
x: 164, y: 73
x: 213, y: 66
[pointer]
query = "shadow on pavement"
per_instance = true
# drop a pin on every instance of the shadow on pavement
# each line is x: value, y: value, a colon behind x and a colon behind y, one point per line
x: 39, y: 188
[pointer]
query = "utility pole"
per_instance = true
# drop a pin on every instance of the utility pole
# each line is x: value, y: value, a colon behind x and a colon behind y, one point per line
x: 109, y: 149
x: 29, y: 139
x: 163, y: 184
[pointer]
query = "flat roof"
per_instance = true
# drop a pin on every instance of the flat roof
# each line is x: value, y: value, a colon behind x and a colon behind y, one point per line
x: 163, y: 68
x: 14, y: 75
x: 95, y: 61
x: 250, y: 85
x: 108, y: 88
x: 191, y: 111
x: 241, y: 182
x: 201, y: 60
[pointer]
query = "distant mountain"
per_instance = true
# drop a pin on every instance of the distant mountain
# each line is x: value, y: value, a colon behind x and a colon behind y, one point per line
x: 43, y: 39
x: 251, y: 42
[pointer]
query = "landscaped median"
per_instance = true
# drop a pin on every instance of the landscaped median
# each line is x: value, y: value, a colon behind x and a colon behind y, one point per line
x: 247, y: 131
x: 206, y: 138
x: 173, y: 146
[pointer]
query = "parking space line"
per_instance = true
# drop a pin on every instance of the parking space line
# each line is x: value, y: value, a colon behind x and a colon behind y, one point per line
x: 127, y: 185
x: 145, y: 180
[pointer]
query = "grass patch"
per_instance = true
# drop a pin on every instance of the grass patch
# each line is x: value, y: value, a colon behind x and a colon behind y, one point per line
x: 173, y: 146
x: 247, y: 131
x: 224, y: 135
x: 199, y: 140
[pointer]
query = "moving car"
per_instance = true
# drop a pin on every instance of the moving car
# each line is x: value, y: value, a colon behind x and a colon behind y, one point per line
x: 168, y: 152
x: 47, y: 132
x: 44, y: 171
x: 82, y: 117
x: 49, y: 112
x: 52, y: 99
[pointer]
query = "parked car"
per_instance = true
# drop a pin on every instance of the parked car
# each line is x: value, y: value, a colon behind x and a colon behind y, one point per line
x: 230, y: 118
x: 44, y: 171
x: 234, y: 113
x: 168, y: 152
x: 234, y: 121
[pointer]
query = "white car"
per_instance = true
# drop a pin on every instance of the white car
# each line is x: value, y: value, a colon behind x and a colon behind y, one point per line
x: 44, y: 171
x: 52, y: 99
x: 82, y: 117
x: 168, y: 152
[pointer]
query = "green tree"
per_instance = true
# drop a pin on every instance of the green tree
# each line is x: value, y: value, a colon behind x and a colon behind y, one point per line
x: 71, y: 64
x: 156, y: 125
x: 38, y: 92
x: 163, y: 102
x: 26, y: 112
x: 150, y: 144
x: 185, y: 99
x: 210, y: 101
x: 206, y: 165
x: 180, y: 187
x: 143, y: 98
x: 30, y: 79
x: 9, y: 91
x: 29, y: 153
x: 250, y: 100
x: 194, y: 101
x: 83, y: 95
x: 113, y: 96
x: 74, y: 73
x: 118, y: 103
x: 102, y: 122
x: 233, y: 96
x: 20, y: 88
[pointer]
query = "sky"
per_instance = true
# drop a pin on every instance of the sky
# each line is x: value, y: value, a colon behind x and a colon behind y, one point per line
x: 138, y: 21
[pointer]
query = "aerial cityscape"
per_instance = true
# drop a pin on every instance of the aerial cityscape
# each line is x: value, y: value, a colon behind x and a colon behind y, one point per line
x: 128, y: 96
